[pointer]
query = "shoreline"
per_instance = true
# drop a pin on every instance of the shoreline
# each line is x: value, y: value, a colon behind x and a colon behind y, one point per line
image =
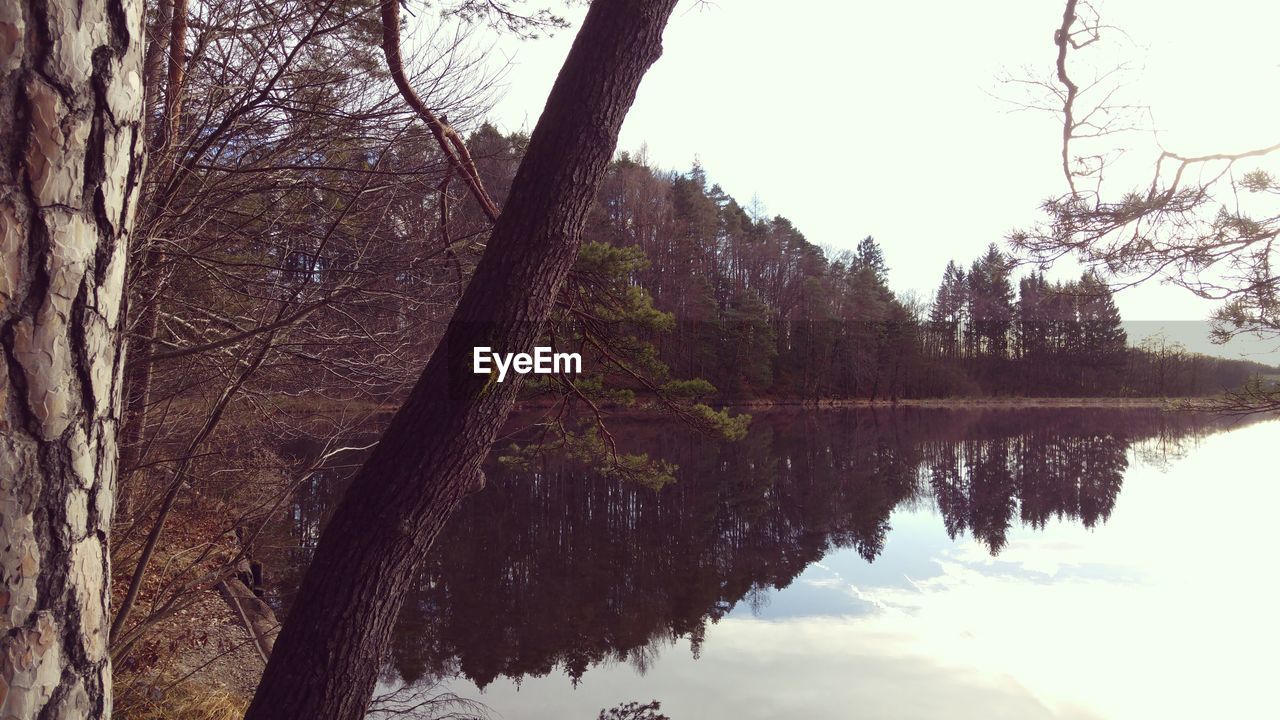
x: 644, y: 404
x: 990, y: 402
x: 1011, y: 402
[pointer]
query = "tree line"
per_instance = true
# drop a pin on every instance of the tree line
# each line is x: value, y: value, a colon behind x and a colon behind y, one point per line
x: 761, y: 312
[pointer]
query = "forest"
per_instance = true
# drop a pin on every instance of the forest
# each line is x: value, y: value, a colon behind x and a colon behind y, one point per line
x: 760, y: 312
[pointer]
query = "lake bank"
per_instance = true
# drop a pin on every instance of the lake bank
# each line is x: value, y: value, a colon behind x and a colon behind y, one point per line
x: 997, y: 402
x: 945, y: 402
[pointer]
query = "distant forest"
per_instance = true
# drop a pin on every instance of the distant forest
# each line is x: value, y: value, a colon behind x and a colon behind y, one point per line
x: 760, y: 312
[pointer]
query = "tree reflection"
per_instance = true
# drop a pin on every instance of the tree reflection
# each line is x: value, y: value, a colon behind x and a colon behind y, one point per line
x: 557, y: 568
x: 979, y: 485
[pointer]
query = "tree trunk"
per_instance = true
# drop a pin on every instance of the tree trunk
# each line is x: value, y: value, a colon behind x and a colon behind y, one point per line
x: 339, y: 629
x: 70, y: 123
x: 157, y: 43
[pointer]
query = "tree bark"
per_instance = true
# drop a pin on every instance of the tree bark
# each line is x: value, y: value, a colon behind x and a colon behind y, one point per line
x: 338, y: 632
x: 70, y: 122
x: 157, y: 43
x: 177, y: 74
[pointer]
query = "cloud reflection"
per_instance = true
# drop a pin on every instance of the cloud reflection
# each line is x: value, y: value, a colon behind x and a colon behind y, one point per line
x: 1146, y: 616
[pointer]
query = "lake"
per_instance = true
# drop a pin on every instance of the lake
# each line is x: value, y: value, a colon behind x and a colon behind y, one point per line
x: 877, y: 563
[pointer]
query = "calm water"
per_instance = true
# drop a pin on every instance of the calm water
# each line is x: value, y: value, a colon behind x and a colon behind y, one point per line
x: 868, y: 564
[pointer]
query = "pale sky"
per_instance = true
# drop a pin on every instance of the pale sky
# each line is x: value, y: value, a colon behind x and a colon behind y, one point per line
x: 858, y: 118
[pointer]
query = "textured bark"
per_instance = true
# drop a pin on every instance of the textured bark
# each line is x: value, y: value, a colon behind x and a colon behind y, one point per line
x: 177, y: 72
x: 70, y: 125
x: 157, y: 43
x: 336, y: 637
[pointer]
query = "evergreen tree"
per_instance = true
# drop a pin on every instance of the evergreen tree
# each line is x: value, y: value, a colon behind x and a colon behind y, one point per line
x: 947, y: 314
x: 1032, y: 321
x: 990, y: 304
x: 869, y: 255
x: 1103, y: 336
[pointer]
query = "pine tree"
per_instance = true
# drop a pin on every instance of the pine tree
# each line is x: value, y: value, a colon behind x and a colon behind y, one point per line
x: 1103, y: 337
x: 990, y: 304
x: 948, y: 311
x: 869, y: 255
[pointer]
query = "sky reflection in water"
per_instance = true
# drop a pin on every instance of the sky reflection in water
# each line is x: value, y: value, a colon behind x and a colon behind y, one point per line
x: 1163, y: 609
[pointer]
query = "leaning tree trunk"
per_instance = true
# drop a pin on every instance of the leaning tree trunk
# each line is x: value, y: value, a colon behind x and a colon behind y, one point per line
x: 70, y: 126
x: 338, y: 632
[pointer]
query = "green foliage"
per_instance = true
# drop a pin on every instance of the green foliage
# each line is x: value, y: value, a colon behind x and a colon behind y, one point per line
x: 602, y: 276
x: 689, y: 389
x: 614, y: 319
x: 591, y: 387
x: 720, y: 422
x: 593, y: 448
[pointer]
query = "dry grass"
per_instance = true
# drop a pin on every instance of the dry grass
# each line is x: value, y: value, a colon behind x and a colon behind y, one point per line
x: 189, y: 701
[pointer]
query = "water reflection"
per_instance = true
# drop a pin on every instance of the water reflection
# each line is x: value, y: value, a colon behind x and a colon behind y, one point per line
x: 558, y: 569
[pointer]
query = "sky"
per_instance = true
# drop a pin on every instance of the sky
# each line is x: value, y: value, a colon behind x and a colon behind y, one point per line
x: 889, y: 119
